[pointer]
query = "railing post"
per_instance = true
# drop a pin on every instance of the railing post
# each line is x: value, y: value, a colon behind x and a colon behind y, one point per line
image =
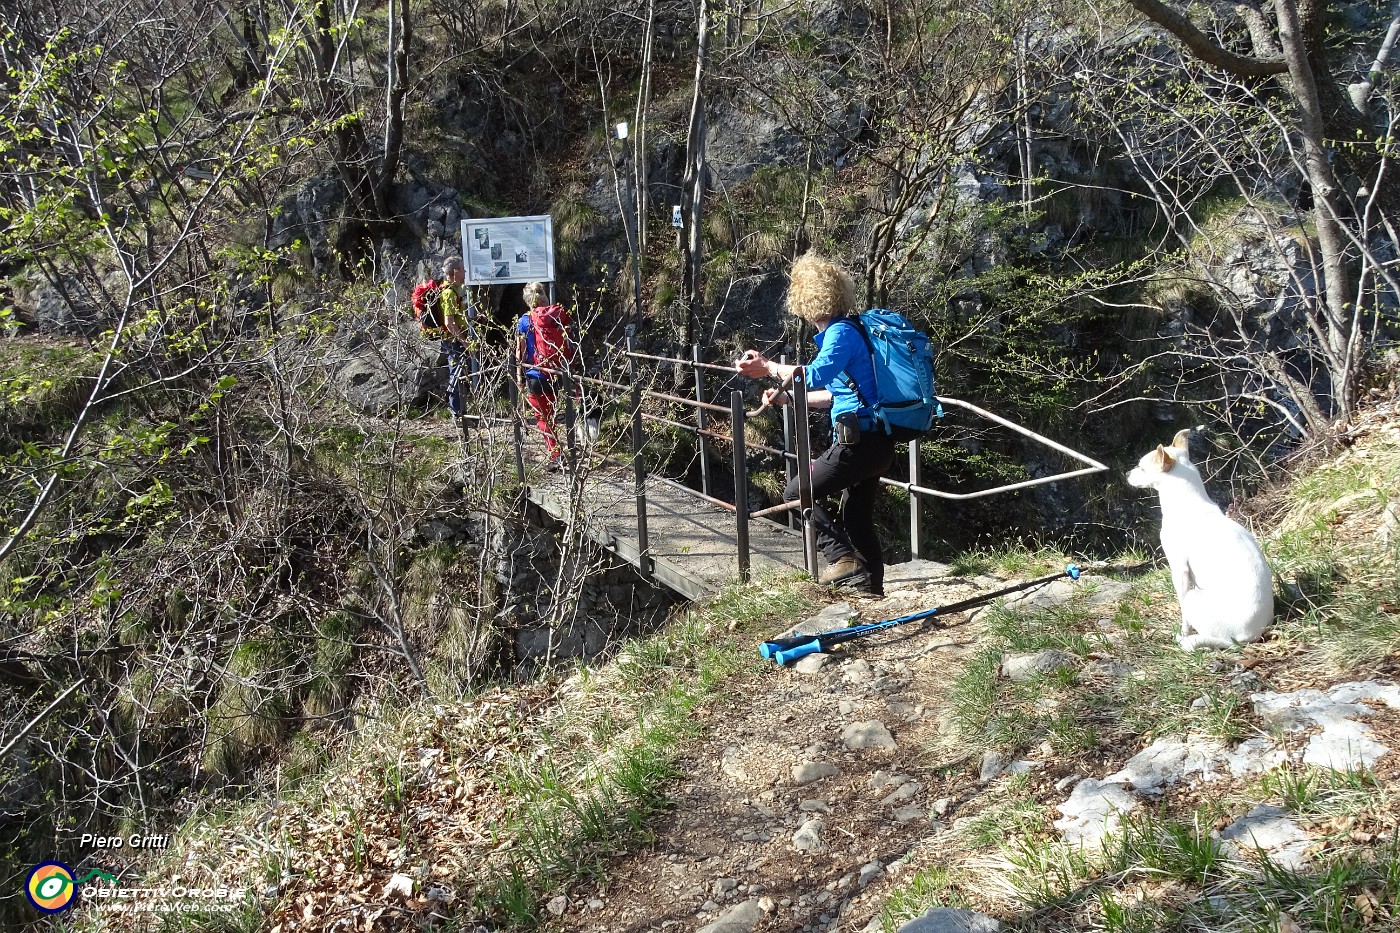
x: 914, y: 501
x: 741, y: 482
x: 513, y: 394
x: 638, y: 466
x: 700, y: 422
x: 804, y: 471
x: 788, y: 471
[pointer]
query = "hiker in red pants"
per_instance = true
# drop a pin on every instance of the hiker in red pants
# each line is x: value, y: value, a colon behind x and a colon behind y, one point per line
x: 542, y: 350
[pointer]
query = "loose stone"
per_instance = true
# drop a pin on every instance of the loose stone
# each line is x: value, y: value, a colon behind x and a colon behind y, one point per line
x: 810, y: 771
x: 740, y: 918
x: 808, y: 836
x: 871, y: 734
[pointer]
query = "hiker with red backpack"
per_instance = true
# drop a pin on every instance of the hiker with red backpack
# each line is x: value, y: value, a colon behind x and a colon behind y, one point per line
x: 875, y: 372
x: 543, y: 352
x: 443, y: 315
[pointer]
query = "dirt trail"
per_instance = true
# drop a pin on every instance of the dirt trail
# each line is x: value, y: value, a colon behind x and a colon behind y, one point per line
x: 784, y: 821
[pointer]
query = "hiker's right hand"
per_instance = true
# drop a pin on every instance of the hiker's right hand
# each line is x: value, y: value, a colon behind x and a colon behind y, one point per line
x: 777, y: 397
x: 752, y: 364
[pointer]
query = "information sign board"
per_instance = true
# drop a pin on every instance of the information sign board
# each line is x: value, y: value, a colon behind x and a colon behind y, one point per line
x: 500, y: 250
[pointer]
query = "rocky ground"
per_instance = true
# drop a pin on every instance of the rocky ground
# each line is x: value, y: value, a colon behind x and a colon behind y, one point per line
x: 824, y: 796
x: 825, y: 787
x: 821, y: 783
x: 827, y: 784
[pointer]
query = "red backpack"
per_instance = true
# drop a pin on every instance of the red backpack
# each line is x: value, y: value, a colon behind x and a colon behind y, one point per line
x: 427, y: 308
x: 551, y: 326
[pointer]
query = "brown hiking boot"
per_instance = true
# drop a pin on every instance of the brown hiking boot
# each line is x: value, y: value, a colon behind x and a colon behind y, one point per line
x: 844, y: 570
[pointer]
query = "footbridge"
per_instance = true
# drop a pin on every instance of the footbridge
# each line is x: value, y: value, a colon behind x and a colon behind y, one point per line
x: 698, y: 540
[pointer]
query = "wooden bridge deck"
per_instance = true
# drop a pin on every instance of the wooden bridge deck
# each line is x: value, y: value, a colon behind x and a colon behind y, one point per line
x: 692, y: 544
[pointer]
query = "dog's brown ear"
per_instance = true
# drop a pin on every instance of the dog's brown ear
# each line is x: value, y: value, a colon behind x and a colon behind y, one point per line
x: 1182, y: 439
x: 1163, y: 460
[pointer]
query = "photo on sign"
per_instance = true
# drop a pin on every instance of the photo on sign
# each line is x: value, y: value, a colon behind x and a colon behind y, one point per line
x: 502, y: 269
x: 495, y: 251
x: 483, y: 238
x: 522, y: 255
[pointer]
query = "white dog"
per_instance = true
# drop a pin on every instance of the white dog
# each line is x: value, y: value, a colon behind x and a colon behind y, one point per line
x: 1221, y: 577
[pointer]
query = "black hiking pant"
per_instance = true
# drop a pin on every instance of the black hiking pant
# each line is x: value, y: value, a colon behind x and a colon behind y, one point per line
x: 854, y: 470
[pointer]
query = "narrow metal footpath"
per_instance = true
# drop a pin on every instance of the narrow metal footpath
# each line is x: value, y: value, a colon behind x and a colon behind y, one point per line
x: 693, y: 546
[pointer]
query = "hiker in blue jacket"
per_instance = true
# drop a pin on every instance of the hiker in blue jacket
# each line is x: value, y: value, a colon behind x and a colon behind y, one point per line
x: 841, y: 375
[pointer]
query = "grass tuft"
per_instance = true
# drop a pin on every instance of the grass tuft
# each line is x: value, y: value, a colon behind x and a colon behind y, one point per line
x: 929, y: 888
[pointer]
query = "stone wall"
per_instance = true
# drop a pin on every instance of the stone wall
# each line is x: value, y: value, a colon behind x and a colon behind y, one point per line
x: 563, y: 599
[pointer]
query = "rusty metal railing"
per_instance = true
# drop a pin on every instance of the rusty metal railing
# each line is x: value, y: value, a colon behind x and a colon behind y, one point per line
x: 795, y: 452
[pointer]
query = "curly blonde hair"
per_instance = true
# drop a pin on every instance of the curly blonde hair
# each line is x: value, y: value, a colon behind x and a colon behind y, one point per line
x: 536, y: 294
x: 820, y: 290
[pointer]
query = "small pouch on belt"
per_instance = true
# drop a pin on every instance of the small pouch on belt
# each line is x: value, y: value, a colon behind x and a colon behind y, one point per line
x: 848, y: 428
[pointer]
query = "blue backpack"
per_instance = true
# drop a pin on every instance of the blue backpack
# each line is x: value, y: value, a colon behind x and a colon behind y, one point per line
x: 903, y: 361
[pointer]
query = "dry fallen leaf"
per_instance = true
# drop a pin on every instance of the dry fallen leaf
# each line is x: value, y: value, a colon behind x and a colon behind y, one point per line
x: 400, y: 886
x: 1366, y: 905
x: 1287, y: 924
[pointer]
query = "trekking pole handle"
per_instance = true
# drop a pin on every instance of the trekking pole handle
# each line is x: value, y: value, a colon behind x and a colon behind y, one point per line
x: 788, y: 655
x: 770, y: 648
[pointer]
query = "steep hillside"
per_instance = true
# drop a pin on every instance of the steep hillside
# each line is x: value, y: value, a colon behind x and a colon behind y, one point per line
x: 256, y: 582
x: 1053, y: 762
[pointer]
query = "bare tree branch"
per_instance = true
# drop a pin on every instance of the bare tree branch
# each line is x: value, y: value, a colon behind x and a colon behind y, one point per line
x: 1203, y: 46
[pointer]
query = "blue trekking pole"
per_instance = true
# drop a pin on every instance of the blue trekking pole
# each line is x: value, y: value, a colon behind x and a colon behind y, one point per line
x: 787, y: 650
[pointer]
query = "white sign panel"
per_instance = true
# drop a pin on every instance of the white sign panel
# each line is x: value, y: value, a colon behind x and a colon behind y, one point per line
x: 508, y: 249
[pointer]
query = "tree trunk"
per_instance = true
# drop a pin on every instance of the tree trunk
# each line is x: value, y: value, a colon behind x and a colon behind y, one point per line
x: 1327, y: 209
x: 639, y: 145
x: 400, y: 38
x: 693, y: 186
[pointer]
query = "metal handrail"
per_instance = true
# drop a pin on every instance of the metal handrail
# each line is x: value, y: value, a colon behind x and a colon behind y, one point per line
x: 727, y: 506
x: 649, y: 393
x: 797, y: 463
x: 1082, y: 458
x: 775, y: 509
x: 939, y: 494
x: 741, y: 482
x: 685, y: 401
x: 715, y: 367
x: 701, y: 448
x: 579, y: 377
x: 716, y: 436
x: 804, y: 471
x: 912, y: 486
x: 638, y: 465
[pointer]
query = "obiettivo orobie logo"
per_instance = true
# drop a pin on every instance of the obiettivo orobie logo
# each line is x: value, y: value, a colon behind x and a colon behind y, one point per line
x: 51, y: 887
